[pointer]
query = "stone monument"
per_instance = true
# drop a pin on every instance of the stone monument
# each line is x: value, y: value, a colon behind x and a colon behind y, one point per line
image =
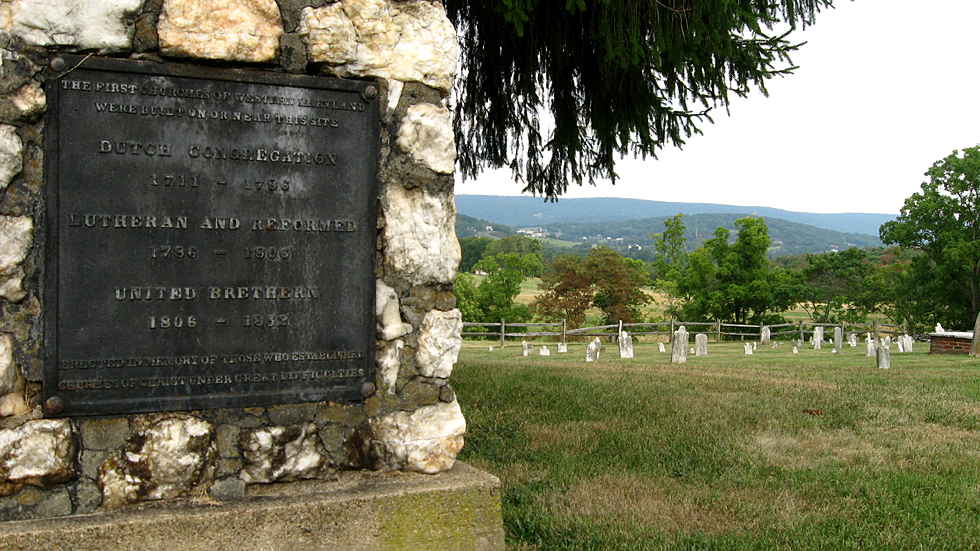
x: 701, y: 344
x: 228, y: 271
x: 766, y: 335
x: 625, y: 345
x: 678, y: 348
x: 592, y: 351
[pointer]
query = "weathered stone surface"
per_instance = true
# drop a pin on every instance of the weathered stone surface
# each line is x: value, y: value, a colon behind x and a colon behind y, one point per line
x: 39, y: 452
x: 387, y: 361
x: 625, y: 345
x: 545, y: 352
x: 274, y: 454
x: 701, y: 344
x: 420, y: 236
x: 291, y: 414
x: 678, y: 348
x: 405, y: 41
x: 870, y: 347
x: 765, y: 336
x: 88, y: 496
x: 79, y: 24
x: 228, y: 489
x: 562, y: 348
x: 390, y: 324
x: 592, y: 351
x: 661, y: 348
x: 27, y: 104
x: 883, y: 358
x: 292, y: 54
x: 419, y: 393
x: 103, y: 434
x: 230, y: 30
x: 8, y: 369
x: 34, y: 503
x: 425, y: 440
x: 426, y: 133
x: 16, y: 240
x: 439, y: 343
x: 748, y: 349
x: 11, y: 154
x: 169, y: 459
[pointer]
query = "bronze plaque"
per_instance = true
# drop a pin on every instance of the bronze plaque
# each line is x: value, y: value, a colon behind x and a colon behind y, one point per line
x: 211, y: 238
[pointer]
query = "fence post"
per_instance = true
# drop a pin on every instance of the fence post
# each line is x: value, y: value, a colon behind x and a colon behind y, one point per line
x: 671, y: 338
x: 874, y: 327
x: 801, y: 332
x: 564, y: 325
x: 718, y: 337
x: 503, y: 330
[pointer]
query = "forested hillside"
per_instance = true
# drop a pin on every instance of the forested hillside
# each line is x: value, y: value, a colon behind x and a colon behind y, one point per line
x: 788, y: 238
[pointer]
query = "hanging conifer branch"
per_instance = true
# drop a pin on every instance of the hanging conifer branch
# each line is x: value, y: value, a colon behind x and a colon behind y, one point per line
x: 558, y: 90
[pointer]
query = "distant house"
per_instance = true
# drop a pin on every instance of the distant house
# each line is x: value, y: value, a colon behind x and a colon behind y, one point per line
x: 489, y: 228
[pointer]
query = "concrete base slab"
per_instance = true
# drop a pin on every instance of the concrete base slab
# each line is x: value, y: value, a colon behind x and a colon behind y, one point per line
x: 458, y: 509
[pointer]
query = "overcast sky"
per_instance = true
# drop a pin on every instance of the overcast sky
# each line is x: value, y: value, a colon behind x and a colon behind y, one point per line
x: 884, y: 89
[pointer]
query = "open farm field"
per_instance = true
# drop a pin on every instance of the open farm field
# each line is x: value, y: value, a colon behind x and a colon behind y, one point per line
x: 728, y: 451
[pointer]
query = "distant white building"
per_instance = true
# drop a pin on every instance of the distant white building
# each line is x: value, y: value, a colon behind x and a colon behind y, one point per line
x: 489, y: 228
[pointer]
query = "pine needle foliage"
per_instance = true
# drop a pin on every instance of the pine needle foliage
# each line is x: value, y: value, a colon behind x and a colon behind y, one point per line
x: 557, y: 90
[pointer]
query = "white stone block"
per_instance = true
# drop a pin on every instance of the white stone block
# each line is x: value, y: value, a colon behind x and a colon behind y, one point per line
x: 390, y: 324
x: 11, y: 155
x: 106, y: 26
x: 229, y: 30
x: 387, y: 360
x: 426, y: 133
x: 419, y: 235
x: 439, y: 343
x: 38, y: 452
x: 403, y: 41
x: 279, y: 454
x: 425, y: 440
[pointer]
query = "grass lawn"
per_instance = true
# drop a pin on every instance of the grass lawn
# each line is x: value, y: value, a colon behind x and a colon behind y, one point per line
x: 728, y: 451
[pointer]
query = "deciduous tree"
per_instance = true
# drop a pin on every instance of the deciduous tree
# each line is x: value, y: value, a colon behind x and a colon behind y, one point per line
x: 943, y: 221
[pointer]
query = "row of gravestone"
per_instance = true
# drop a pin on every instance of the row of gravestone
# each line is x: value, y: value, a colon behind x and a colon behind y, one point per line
x: 678, y: 353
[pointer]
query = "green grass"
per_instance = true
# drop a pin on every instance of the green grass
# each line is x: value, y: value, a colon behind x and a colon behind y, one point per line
x: 728, y: 451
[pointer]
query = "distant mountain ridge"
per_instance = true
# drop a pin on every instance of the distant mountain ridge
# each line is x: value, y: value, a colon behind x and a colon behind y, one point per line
x: 521, y: 212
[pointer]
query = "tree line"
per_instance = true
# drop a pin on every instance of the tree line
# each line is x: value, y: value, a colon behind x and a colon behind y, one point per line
x: 928, y: 272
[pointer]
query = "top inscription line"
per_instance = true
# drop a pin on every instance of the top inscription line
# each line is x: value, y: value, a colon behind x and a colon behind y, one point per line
x: 154, y: 91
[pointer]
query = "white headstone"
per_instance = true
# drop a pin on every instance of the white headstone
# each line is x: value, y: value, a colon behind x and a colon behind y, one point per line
x: 901, y: 344
x: 870, y: 347
x: 661, y: 347
x: 544, y: 351
x: 838, y: 338
x: 625, y: 345
x: 774, y: 345
x: 678, y: 349
x: 592, y: 352
x: 748, y: 349
x: 909, y: 342
x: 817, y: 338
x: 489, y: 349
x: 754, y: 344
x: 796, y: 350
x: 526, y: 348
x: 701, y: 344
x: 766, y: 335
x: 562, y: 348
x: 852, y: 340
x: 834, y: 351
x: 939, y: 328
x: 883, y: 361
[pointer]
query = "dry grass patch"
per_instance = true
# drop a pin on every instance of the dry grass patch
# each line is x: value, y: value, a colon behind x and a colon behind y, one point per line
x: 817, y: 449
x: 676, y: 507
x: 575, y: 434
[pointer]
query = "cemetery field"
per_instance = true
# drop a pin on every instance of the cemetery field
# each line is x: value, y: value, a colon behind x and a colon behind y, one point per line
x: 727, y: 451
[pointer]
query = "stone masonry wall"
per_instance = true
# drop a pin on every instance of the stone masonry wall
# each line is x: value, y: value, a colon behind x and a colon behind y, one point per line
x: 55, y: 467
x: 945, y: 344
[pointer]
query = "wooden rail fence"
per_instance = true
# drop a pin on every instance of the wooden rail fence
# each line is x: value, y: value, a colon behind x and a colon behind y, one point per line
x: 717, y: 328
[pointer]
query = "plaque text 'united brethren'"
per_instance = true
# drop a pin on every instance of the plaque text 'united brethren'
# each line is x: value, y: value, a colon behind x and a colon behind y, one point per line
x: 211, y: 238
